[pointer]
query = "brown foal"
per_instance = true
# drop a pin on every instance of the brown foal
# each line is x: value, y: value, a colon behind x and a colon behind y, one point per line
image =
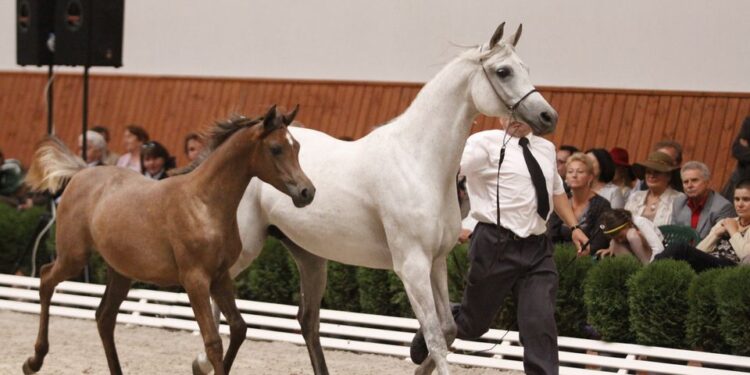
x: 178, y: 231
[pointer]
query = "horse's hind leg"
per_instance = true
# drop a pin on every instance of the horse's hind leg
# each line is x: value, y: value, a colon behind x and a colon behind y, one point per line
x: 67, y: 265
x: 312, y: 270
x: 106, y: 316
x: 223, y: 294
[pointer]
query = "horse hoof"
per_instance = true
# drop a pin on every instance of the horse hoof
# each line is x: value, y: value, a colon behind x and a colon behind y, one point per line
x: 27, y: 368
x: 197, y: 370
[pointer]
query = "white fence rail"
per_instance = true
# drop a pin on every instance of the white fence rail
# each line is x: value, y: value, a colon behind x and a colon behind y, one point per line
x: 367, y: 333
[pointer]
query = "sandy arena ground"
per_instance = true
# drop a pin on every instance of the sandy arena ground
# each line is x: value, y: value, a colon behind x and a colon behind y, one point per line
x: 75, y: 348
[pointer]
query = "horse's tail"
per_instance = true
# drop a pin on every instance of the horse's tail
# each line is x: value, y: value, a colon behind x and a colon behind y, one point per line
x: 53, y: 166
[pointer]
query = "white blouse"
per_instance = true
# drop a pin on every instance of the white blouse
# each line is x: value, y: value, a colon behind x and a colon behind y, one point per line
x: 636, y: 204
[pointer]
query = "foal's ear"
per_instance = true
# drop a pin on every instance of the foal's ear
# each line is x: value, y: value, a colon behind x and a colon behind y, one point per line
x: 289, y: 117
x: 497, y: 35
x: 269, y: 120
x: 517, y: 35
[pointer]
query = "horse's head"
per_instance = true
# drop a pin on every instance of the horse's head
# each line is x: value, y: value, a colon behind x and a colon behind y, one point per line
x: 279, y: 151
x: 502, y: 87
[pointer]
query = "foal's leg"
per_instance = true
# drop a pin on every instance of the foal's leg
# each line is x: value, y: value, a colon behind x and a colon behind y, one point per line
x: 67, y: 265
x: 106, y: 316
x: 197, y: 285
x: 313, y: 274
x: 222, y: 291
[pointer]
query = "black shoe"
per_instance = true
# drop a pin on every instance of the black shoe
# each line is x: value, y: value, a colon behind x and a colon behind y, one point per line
x: 418, y: 350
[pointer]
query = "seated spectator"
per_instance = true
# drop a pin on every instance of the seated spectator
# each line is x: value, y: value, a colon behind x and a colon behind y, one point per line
x: 674, y: 150
x: 728, y: 242
x: 656, y: 203
x: 700, y: 208
x: 12, y: 191
x: 194, y: 145
x: 630, y: 234
x: 135, y: 137
x: 96, y: 148
x: 741, y: 152
x: 587, y: 205
x: 604, y: 172
x: 156, y: 160
x: 624, y: 176
x: 110, y: 158
x: 563, y: 153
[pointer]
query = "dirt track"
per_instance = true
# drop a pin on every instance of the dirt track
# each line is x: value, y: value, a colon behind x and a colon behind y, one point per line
x: 75, y: 348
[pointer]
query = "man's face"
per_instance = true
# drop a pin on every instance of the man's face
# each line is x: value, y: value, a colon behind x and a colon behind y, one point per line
x: 694, y: 183
x: 562, y: 157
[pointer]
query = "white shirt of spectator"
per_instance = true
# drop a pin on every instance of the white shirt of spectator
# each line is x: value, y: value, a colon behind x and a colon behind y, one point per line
x: 636, y: 204
x: 517, y: 196
x: 651, y: 233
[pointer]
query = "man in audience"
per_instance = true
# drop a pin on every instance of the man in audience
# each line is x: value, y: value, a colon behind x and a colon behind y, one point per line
x: 700, y: 208
x: 563, y: 153
x: 673, y: 149
x: 110, y: 158
x: 96, y: 148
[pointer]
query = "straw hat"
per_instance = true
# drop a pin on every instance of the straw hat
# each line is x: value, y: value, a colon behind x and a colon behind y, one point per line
x: 657, y: 161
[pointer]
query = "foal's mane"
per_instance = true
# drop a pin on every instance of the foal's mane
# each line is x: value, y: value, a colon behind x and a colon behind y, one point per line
x: 217, y: 135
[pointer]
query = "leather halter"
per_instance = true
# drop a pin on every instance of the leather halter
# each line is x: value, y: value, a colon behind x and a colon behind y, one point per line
x: 511, y: 107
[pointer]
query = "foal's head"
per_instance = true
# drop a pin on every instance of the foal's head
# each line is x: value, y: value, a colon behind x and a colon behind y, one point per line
x: 277, y: 162
x: 502, y: 87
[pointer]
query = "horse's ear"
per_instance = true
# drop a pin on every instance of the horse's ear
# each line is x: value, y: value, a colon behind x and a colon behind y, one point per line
x: 517, y: 35
x: 289, y: 117
x: 269, y: 118
x: 497, y: 35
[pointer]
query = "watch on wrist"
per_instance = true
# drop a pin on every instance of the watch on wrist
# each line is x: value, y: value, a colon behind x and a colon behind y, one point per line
x: 577, y: 226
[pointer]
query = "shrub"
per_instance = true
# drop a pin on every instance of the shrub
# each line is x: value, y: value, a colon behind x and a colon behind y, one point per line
x: 570, y: 311
x: 606, y: 299
x: 272, y: 277
x: 733, y: 300
x: 658, y: 303
x: 458, y: 268
x: 702, y: 325
x: 375, y: 291
x: 342, y: 291
x: 16, y: 231
x: 399, y: 298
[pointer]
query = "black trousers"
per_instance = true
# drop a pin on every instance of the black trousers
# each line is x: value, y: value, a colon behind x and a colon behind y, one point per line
x: 697, y: 259
x: 502, y: 263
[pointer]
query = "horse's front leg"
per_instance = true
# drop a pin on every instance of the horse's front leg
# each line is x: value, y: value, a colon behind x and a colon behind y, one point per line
x: 197, y: 284
x: 222, y: 291
x: 415, y: 269
x: 313, y: 275
x: 439, y: 282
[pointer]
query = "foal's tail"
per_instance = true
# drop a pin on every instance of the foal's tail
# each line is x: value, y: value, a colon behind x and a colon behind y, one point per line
x: 53, y: 166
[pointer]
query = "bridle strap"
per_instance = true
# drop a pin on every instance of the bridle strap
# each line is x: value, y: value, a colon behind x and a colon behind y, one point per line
x: 512, y: 108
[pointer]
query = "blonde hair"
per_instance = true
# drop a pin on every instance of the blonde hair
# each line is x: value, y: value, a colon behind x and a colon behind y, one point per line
x: 582, y: 158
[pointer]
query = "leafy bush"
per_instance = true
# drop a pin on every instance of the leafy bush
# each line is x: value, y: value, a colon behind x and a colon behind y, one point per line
x: 658, y: 303
x: 702, y: 325
x: 606, y: 298
x: 272, y: 277
x: 16, y: 231
x: 375, y: 292
x: 342, y: 290
x: 399, y: 298
x: 458, y: 268
x: 570, y: 311
x: 733, y: 300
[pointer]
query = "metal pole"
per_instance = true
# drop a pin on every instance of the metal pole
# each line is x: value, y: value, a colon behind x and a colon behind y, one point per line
x: 85, y: 115
x: 50, y: 98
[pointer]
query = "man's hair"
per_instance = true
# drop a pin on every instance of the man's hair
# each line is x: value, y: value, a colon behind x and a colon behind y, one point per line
x: 138, y: 132
x: 670, y: 144
x: 570, y: 149
x: 95, y: 140
x: 695, y: 165
x: 101, y: 129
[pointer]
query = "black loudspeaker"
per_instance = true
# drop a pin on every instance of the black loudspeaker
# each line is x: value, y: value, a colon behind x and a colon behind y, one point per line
x: 89, y: 32
x: 34, y: 25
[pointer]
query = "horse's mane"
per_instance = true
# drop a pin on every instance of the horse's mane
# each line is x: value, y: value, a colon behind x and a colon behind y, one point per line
x: 217, y: 135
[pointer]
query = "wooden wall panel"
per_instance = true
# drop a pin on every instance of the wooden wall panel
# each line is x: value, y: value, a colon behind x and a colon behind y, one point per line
x: 705, y: 123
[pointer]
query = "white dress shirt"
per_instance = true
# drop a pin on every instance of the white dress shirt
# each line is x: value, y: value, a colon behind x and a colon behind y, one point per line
x: 651, y: 233
x: 636, y: 204
x: 517, y: 195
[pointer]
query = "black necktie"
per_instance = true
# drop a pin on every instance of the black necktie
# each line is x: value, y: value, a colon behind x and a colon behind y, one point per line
x: 537, y: 178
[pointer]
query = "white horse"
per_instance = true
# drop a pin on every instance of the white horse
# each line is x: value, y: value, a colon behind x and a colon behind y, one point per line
x: 388, y: 200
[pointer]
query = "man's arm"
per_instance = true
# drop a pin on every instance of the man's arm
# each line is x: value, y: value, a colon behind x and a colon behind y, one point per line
x: 565, y: 212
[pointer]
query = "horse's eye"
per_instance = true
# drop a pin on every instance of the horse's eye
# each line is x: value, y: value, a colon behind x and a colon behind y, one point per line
x: 276, y: 150
x: 504, y: 72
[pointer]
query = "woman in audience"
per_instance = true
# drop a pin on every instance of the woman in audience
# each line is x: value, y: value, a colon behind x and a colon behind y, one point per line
x: 156, y: 160
x: 630, y: 234
x: 587, y: 205
x: 624, y: 177
x: 656, y: 202
x: 135, y: 136
x: 604, y: 172
x: 728, y: 243
x: 194, y: 145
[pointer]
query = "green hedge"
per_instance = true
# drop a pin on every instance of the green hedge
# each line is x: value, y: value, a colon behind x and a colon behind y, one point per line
x: 658, y: 301
x: 606, y: 297
x: 702, y: 325
x: 733, y: 300
x: 16, y: 231
x: 342, y: 290
x: 570, y: 312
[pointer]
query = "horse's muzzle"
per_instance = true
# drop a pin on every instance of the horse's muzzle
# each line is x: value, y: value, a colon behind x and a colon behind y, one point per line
x: 302, y: 195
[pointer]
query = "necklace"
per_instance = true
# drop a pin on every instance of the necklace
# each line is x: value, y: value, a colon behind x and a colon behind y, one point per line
x: 739, y: 221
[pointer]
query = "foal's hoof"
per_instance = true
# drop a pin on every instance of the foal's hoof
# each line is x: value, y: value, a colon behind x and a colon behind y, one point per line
x: 27, y: 368
x: 197, y: 370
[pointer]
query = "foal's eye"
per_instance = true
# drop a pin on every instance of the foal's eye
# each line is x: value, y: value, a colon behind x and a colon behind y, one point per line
x: 276, y: 150
x: 504, y: 72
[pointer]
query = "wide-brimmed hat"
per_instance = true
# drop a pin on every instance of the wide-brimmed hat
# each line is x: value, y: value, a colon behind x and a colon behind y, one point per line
x: 657, y: 161
x: 620, y: 156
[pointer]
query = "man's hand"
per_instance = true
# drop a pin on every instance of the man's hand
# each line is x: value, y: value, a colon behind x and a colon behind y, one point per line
x: 605, y: 253
x: 580, y: 239
x: 463, y: 237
